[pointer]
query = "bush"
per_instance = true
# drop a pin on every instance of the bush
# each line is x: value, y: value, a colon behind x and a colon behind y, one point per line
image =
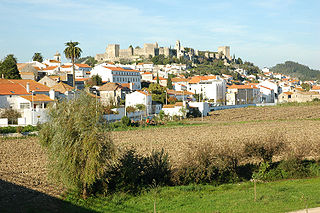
x: 125, y: 121
x: 130, y: 109
x: 135, y: 172
x: 264, y: 148
x: 12, y: 115
x: 8, y: 129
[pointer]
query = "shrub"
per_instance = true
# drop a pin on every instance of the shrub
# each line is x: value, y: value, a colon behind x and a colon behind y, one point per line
x: 264, y: 148
x: 125, y: 121
x: 134, y: 172
x: 130, y: 109
x: 12, y: 115
x: 79, y: 147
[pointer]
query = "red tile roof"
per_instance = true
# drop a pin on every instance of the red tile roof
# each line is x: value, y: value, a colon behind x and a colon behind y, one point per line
x: 120, y: 69
x: 234, y: 86
x: 197, y: 79
x: 83, y: 65
x: 50, y: 68
x: 18, y: 86
x: 37, y: 97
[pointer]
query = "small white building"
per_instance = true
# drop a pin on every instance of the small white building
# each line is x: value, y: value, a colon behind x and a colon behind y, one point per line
x: 140, y: 97
x: 111, y: 73
x: 211, y: 87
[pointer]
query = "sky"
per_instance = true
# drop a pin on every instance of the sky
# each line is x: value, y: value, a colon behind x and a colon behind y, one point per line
x: 263, y: 32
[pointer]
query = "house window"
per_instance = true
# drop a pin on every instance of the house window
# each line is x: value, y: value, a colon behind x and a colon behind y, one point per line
x: 24, y: 105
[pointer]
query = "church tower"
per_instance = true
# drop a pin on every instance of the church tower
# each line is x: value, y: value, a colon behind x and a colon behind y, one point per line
x: 57, y: 56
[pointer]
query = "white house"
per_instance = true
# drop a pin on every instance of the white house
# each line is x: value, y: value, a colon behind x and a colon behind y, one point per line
x: 81, y: 70
x: 242, y: 94
x: 271, y: 85
x: 147, y: 67
x: 267, y: 94
x: 140, y: 97
x: 111, y: 73
x: 177, y: 109
x: 147, y: 76
x: 211, y: 87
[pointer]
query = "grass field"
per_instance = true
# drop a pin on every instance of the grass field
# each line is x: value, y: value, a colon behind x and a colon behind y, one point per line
x: 282, y: 196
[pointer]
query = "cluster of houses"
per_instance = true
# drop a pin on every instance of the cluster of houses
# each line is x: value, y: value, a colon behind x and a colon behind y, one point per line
x: 124, y: 87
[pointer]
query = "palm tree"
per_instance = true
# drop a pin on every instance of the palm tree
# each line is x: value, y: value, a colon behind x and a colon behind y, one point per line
x: 37, y: 57
x: 72, y: 52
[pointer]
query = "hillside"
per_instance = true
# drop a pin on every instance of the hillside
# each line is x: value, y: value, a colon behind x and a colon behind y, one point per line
x: 295, y: 69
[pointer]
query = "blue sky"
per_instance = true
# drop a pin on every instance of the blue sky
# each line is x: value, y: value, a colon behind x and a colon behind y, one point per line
x: 263, y: 32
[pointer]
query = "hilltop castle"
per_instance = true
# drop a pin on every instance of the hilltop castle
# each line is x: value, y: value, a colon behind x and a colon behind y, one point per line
x: 114, y: 53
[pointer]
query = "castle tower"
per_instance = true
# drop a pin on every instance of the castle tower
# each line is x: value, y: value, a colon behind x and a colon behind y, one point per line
x: 57, y: 56
x: 177, y: 46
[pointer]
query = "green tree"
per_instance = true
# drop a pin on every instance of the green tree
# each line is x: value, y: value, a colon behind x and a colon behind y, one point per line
x: 169, y: 82
x: 37, y: 57
x: 158, y: 92
x: 8, y: 68
x: 306, y: 86
x: 72, y: 52
x: 78, y: 143
x: 96, y: 80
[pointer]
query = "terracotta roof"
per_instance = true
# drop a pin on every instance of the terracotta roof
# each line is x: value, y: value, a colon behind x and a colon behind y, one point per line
x: 265, y: 87
x: 110, y: 87
x: 160, y: 78
x: 50, y: 68
x: 173, y: 92
x: 146, y: 73
x: 54, y: 61
x: 37, y: 97
x: 143, y: 92
x: 22, y: 83
x: 82, y: 79
x: 316, y: 87
x: 234, y: 86
x: 37, y: 68
x: 26, y: 73
x: 197, y: 79
x: 120, y: 69
x: 179, y: 79
x: 62, y: 87
x: 126, y: 85
x: 7, y: 88
x: 66, y: 66
x: 177, y: 104
x: 83, y: 65
x: 21, y: 65
x: 288, y: 93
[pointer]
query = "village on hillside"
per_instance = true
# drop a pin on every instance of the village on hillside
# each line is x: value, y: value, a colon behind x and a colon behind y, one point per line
x: 142, y: 89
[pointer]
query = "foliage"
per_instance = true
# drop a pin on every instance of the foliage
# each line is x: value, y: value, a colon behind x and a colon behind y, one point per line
x: 8, y: 68
x: 12, y: 115
x: 13, y: 129
x: 95, y: 80
x: 37, y: 57
x: 134, y: 172
x: 130, y: 109
x: 157, y: 92
x: 125, y: 121
x: 161, y: 114
x: 80, y: 148
x: 169, y: 82
x: 265, y: 148
x: 306, y: 86
x: 89, y: 60
x: 172, y: 100
x: 72, y: 52
x: 297, y: 70
x: 141, y: 107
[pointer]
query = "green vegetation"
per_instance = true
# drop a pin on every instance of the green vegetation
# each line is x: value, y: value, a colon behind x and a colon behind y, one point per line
x: 308, y: 103
x: 12, y: 115
x: 95, y: 80
x: 297, y: 70
x: 281, y: 196
x: 37, y: 57
x: 14, y: 129
x: 89, y: 60
x: 79, y: 146
x: 8, y: 68
x: 158, y: 92
x: 72, y: 52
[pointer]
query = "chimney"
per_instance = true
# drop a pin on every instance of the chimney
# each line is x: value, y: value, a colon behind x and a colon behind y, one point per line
x: 28, y: 87
x: 131, y: 85
x: 52, y: 94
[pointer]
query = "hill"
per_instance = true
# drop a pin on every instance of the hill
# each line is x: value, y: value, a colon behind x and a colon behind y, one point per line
x: 295, y: 69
